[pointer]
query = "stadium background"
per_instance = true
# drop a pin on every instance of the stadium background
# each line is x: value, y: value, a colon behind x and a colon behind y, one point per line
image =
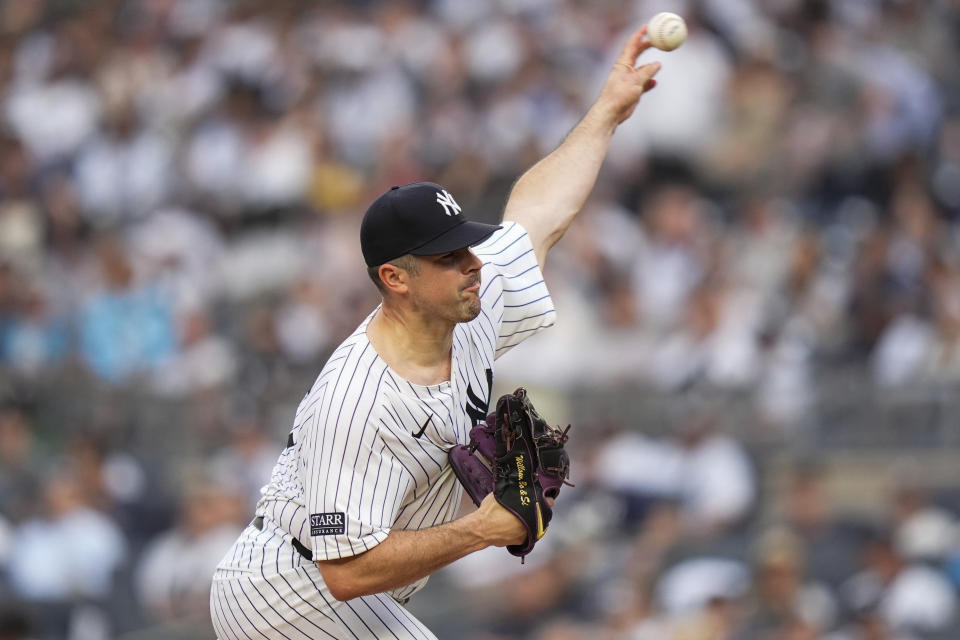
x: 759, y: 334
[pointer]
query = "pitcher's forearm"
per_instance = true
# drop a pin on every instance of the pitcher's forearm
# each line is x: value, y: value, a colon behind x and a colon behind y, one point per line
x: 404, y: 557
x: 407, y: 556
x: 551, y: 193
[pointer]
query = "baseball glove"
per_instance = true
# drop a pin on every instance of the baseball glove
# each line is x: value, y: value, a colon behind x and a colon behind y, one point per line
x: 516, y: 455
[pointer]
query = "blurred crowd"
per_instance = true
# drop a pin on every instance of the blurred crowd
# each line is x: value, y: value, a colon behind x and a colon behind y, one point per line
x: 181, y: 183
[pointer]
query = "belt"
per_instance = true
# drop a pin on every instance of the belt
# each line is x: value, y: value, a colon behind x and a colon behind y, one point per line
x: 302, y: 550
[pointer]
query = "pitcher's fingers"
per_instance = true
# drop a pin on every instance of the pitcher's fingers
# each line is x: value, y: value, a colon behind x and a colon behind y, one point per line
x: 634, y: 46
x: 647, y: 71
x: 649, y: 84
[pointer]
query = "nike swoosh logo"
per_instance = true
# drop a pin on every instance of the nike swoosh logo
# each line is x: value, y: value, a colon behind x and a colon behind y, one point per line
x: 423, y: 428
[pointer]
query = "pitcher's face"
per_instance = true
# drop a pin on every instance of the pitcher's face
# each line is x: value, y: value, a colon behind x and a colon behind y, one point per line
x: 448, y: 285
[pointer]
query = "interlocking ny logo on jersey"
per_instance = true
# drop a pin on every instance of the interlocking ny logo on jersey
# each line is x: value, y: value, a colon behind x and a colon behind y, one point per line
x: 476, y: 406
x: 327, y: 524
x: 450, y: 206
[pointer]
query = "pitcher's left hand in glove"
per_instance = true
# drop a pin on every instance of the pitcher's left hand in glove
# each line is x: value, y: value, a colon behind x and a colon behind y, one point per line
x: 520, y: 458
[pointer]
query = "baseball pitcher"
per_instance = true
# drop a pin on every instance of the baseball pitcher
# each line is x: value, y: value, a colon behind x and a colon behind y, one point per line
x: 361, y: 506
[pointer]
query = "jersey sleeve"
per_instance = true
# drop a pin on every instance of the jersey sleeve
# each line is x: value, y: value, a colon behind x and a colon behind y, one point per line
x: 353, y: 484
x: 515, y: 302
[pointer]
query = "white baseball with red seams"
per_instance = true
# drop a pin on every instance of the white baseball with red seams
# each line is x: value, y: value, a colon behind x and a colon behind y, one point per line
x: 666, y: 31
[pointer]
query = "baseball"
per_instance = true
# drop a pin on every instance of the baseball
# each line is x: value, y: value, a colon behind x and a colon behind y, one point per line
x: 666, y: 31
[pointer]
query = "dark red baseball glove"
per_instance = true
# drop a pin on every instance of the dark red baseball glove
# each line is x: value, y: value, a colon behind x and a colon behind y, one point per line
x: 520, y: 458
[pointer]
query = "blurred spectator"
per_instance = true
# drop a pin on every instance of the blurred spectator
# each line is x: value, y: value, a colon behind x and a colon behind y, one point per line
x: 66, y: 237
x: 279, y: 160
x: 123, y: 173
x: 126, y: 328
x: 717, y: 478
x: 923, y: 532
x: 632, y: 611
x: 785, y: 600
x: 902, y: 103
x: 21, y: 461
x: 21, y: 222
x: 262, y: 366
x: 35, y: 339
x: 699, y: 584
x: 907, y: 596
x: 215, y: 152
x: 53, y: 114
x: 205, y: 361
x: 97, y: 545
x: 181, y: 251
x: 301, y: 323
x: 112, y: 481
x: 245, y: 460
x: 672, y: 257
x: 705, y: 473
x: 175, y: 572
x: 186, y: 90
x: 902, y: 350
x: 830, y: 542
x: 641, y: 471
x: 74, y: 587
x: 756, y: 247
x: 943, y: 355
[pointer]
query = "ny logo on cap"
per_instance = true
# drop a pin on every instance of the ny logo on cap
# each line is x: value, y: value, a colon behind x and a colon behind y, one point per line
x: 450, y: 206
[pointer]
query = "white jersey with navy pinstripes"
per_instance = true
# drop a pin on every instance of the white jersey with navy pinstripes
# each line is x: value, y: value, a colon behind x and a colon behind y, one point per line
x: 368, y: 450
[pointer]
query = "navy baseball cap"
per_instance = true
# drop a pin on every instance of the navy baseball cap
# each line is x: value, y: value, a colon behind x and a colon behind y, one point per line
x: 420, y: 218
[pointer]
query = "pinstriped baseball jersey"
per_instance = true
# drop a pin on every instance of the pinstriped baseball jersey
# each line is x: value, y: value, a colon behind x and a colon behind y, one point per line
x: 368, y: 451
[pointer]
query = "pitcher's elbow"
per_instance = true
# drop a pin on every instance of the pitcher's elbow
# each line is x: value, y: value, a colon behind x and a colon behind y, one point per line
x: 340, y: 583
x: 343, y: 592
